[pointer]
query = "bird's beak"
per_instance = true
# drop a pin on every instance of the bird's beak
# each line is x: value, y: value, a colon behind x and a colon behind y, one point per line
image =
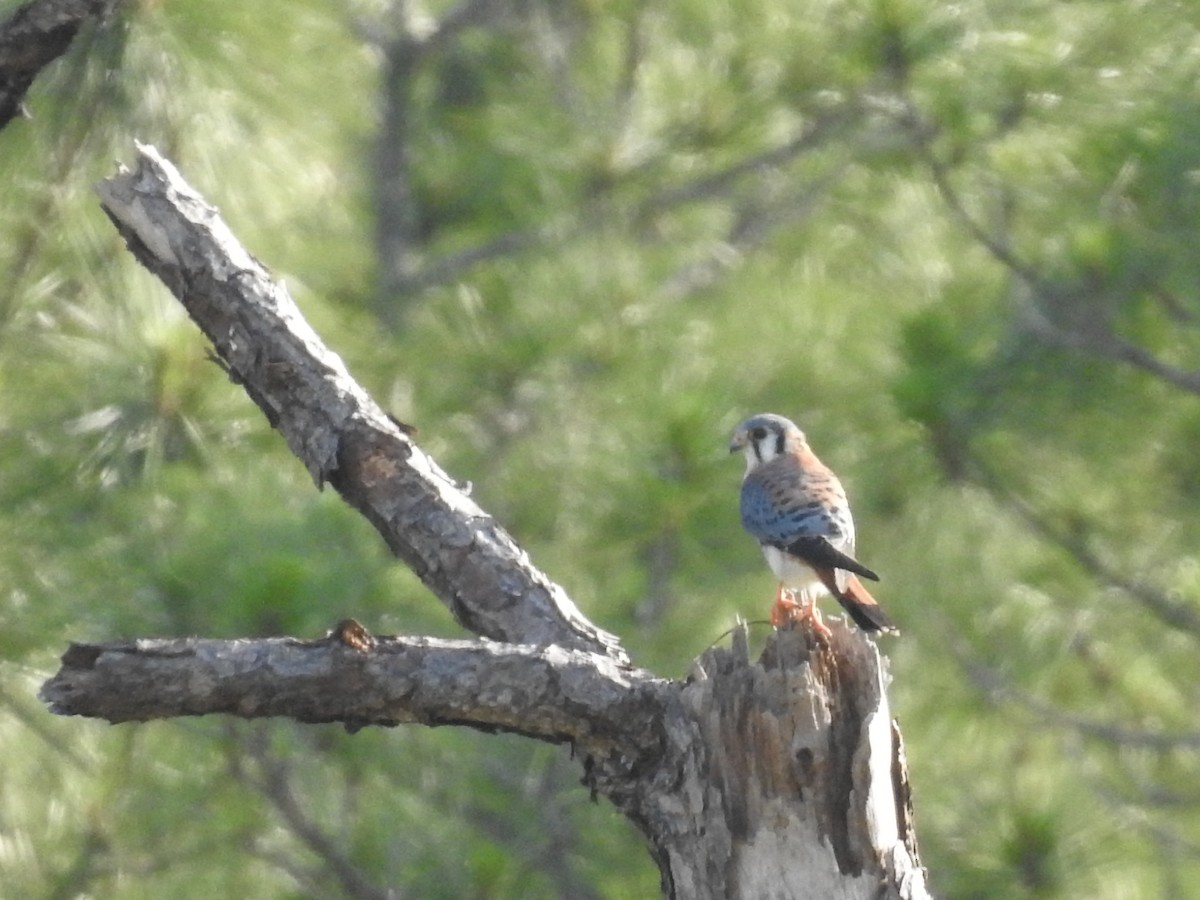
x: 738, y: 442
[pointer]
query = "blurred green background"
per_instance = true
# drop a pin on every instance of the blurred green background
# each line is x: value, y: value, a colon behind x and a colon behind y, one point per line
x: 575, y: 242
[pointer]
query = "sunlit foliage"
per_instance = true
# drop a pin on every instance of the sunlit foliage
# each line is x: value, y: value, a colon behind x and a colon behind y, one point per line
x: 574, y: 243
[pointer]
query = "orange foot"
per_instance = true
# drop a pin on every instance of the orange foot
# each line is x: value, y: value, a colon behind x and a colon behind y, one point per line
x: 787, y: 612
x: 784, y: 609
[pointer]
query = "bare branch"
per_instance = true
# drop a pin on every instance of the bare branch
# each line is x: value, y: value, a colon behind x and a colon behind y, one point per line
x: 997, y: 686
x: 730, y: 775
x: 600, y: 211
x: 1177, y: 614
x: 275, y: 784
x: 548, y: 693
x: 1089, y: 333
x: 329, y: 421
x: 1098, y: 339
x: 34, y: 36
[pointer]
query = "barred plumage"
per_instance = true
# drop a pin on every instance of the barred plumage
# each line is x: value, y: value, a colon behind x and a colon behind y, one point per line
x: 795, y: 507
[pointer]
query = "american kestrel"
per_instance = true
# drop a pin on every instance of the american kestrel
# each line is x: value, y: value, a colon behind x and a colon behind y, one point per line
x: 796, y: 508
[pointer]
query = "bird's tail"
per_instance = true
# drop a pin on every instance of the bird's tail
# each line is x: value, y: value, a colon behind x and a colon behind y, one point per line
x: 857, y: 601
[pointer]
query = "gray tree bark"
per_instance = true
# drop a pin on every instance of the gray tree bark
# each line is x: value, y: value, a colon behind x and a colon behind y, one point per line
x: 779, y: 778
x: 33, y: 36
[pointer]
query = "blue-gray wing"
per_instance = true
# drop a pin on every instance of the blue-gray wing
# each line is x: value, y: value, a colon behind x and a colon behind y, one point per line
x: 775, y: 517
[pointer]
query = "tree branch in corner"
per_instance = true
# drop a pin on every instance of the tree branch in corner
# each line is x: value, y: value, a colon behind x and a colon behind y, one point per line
x: 549, y: 693
x: 331, y: 424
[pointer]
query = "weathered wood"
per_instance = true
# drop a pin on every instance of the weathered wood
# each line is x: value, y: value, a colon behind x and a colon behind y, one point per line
x: 550, y: 693
x: 781, y: 778
x: 33, y: 36
x: 787, y: 782
x: 331, y: 424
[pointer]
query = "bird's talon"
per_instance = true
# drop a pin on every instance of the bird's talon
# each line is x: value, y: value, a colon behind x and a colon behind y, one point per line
x: 784, y: 609
x: 788, y: 613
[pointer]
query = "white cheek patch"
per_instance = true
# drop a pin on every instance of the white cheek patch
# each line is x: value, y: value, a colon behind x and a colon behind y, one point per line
x: 763, y: 451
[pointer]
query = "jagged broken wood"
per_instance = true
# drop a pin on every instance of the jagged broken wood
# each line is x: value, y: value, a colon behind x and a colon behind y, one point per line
x: 781, y: 778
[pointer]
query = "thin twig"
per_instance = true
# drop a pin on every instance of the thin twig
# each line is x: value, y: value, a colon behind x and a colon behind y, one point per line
x: 996, y: 686
x: 1178, y: 615
x: 273, y: 781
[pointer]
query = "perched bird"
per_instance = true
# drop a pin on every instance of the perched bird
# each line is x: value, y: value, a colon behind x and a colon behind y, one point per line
x: 796, y: 508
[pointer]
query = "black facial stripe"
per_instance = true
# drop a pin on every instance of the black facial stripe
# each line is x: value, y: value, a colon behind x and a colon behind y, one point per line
x: 779, y: 442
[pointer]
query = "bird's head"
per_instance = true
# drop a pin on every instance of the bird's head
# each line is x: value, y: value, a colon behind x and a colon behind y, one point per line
x: 763, y: 437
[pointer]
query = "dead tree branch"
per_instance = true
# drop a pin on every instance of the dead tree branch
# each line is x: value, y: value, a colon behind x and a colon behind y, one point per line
x: 329, y: 421
x: 779, y: 778
x: 549, y: 693
x: 34, y: 36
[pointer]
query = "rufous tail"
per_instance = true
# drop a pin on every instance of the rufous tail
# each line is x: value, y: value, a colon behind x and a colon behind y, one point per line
x: 857, y: 601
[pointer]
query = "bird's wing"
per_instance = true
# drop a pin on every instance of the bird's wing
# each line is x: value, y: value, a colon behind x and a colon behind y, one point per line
x: 818, y: 553
x: 777, y: 515
x: 808, y: 521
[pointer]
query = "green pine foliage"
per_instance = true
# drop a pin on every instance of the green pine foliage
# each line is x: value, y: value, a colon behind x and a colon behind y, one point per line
x: 956, y: 242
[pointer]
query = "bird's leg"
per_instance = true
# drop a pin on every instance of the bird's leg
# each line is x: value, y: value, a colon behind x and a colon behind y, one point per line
x: 784, y: 608
x: 787, y: 611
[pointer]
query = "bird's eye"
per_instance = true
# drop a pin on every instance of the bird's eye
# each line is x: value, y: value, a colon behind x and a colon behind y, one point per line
x: 758, y: 433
